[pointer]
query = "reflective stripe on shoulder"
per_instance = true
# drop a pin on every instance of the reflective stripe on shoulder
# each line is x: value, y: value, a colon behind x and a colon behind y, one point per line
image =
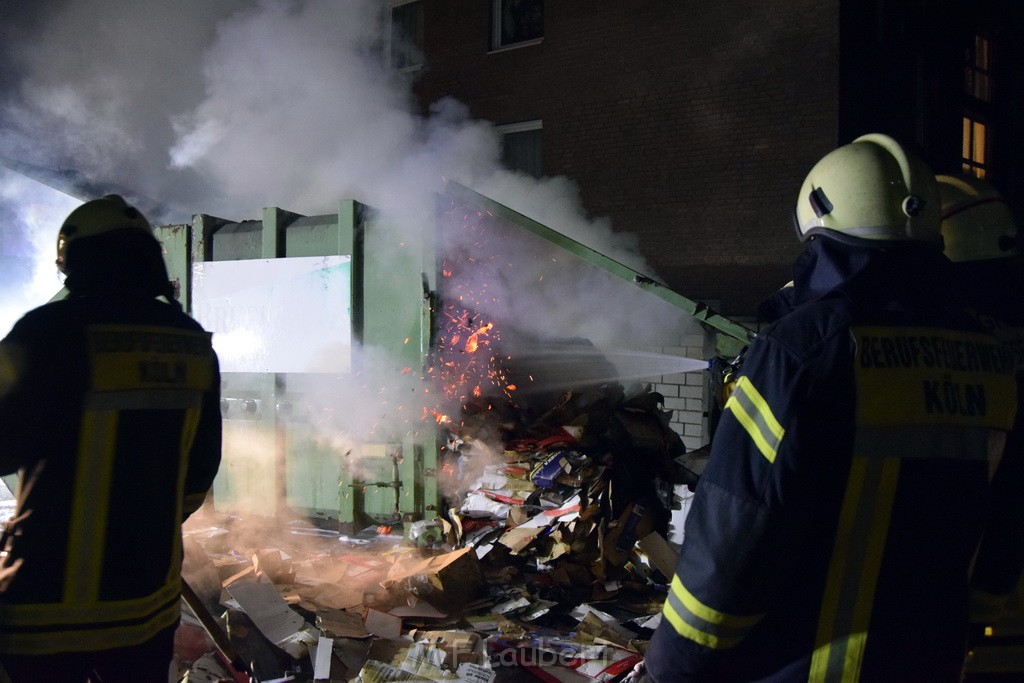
x: 695, y: 621
x: 753, y: 413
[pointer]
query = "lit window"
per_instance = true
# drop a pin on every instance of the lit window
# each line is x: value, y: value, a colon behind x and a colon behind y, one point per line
x: 516, y: 22
x: 975, y: 147
x: 521, y: 147
x: 978, y: 69
x: 405, y: 35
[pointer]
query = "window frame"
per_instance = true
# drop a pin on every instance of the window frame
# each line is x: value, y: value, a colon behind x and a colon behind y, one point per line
x: 972, y: 162
x: 389, y: 53
x: 496, y: 44
x: 978, y: 85
x: 522, y: 127
x: 977, y: 70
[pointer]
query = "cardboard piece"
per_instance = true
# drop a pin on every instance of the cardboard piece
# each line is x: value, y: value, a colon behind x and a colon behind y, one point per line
x: 519, y: 538
x: 341, y: 623
x: 447, y: 581
x: 273, y: 565
x: 663, y: 557
x: 420, y: 610
x: 281, y: 625
x: 383, y: 624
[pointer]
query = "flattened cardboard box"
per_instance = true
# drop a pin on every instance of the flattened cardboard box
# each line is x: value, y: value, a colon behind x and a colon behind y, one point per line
x: 446, y: 581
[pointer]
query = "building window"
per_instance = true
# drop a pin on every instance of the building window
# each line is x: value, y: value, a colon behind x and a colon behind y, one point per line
x: 521, y: 147
x: 405, y: 35
x: 515, y: 23
x: 975, y: 147
x: 978, y: 83
x: 978, y: 70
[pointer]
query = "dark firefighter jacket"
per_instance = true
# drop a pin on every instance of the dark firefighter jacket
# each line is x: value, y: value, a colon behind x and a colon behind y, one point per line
x: 831, y: 534
x: 114, y: 423
x: 991, y: 286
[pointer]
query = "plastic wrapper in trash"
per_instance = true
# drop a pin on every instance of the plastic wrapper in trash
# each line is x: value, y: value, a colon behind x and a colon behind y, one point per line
x: 486, y: 504
x: 426, y: 532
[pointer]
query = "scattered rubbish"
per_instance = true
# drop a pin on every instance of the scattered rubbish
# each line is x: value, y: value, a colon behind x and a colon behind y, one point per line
x: 547, y: 562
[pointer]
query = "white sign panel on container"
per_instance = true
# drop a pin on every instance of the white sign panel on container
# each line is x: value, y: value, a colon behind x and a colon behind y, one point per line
x: 277, y: 315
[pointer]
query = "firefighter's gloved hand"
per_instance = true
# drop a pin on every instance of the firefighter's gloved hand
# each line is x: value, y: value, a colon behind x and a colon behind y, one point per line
x: 638, y: 674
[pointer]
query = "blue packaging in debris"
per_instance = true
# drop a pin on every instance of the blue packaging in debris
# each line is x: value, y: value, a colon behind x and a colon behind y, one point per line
x: 543, y: 475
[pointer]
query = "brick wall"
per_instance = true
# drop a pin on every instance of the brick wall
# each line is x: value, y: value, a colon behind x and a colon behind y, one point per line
x: 691, y: 125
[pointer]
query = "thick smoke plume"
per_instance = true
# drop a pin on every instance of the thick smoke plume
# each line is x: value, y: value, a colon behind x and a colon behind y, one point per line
x: 227, y: 107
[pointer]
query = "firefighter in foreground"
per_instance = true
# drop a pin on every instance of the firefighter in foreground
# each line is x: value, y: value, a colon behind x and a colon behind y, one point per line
x: 110, y: 413
x: 981, y: 239
x: 831, y: 535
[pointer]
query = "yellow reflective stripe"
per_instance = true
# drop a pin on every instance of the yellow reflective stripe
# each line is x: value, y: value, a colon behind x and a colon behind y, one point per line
x: 753, y: 413
x: 188, y: 435
x: 89, y: 507
x: 836, y: 574
x: 48, y: 614
x: 696, y: 621
x: 853, y: 571
x: 88, y: 639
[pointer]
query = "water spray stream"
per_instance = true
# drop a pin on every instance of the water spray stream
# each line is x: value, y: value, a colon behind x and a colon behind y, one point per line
x: 553, y: 369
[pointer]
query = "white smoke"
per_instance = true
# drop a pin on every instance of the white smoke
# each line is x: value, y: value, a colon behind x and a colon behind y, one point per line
x: 28, y: 247
x: 227, y: 107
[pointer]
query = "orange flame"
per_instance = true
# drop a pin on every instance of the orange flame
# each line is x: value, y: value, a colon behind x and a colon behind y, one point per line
x: 473, y: 342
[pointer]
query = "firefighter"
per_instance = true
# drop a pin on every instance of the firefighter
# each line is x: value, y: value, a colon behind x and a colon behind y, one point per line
x: 110, y: 415
x: 831, y: 534
x: 981, y: 239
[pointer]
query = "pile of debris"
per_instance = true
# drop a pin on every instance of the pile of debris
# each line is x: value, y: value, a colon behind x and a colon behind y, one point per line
x: 551, y: 562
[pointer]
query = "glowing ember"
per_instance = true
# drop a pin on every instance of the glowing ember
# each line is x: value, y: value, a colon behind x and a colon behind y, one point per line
x: 474, y: 339
x: 464, y: 364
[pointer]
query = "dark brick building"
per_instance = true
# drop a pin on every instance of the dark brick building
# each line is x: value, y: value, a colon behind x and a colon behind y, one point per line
x: 692, y: 124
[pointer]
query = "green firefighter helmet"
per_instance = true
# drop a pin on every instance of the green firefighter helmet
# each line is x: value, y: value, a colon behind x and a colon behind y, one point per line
x: 871, y: 189
x: 97, y: 217
x: 976, y: 221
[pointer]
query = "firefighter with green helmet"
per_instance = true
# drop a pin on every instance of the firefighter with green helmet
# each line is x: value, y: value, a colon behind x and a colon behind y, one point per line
x: 110, y: 415
x: 832, y: 531
x: 981, y: 239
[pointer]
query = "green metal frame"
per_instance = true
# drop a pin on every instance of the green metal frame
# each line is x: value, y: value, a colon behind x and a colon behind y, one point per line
x: 389, y: 311
x: 731, y: 338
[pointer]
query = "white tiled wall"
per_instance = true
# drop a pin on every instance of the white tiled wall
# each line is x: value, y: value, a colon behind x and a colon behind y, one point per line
x: 687, y: 396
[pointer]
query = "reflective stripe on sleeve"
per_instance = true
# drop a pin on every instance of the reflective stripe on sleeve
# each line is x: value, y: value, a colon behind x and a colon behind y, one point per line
x: 757, y: 419
x: 695, y: 621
